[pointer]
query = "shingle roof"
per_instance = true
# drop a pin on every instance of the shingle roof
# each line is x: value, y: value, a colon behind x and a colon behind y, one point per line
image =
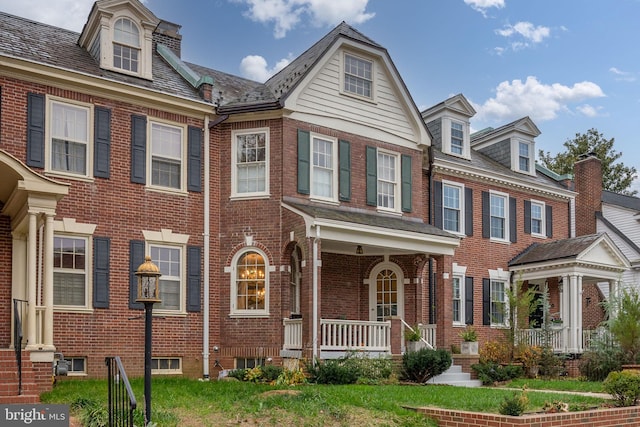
x: 360, y: 217
x: 559, y: 249
x: 33, y: 41
x: 629, y: 202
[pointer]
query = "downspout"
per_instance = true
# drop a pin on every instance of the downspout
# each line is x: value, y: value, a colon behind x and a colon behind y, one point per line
x: 207, y: 250
x: 432, y: 288
x: 315, y: 295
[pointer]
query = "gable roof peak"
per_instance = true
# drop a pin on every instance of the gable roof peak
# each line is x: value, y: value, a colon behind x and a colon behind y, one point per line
x: 456, y: 103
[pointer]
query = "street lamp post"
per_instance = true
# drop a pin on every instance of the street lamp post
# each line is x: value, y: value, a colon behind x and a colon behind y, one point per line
x: 148, y: 293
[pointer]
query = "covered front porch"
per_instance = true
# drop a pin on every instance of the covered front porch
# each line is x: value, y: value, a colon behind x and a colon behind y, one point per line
x: 363, y: 279
x: 566, y: 269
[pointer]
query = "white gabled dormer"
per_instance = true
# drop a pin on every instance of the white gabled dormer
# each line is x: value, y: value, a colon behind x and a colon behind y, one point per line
x: 448, y: 122
x: 118, y: 34
x: 512, y: 145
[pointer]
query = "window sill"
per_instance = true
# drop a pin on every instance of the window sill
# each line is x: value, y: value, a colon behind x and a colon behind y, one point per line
x: 388, y: 211
x: 501, y: 241
x: 250, y: 196
x: 332, y: 202
x: 168, y: 313
x: 67, y: 309
x: 538, y: 236
x: 260, y: 315
x: 57, y: 174
x: 169, y: 191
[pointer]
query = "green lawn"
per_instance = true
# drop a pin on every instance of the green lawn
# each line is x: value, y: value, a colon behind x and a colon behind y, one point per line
x: 184, y: 402
x: 568, y: 384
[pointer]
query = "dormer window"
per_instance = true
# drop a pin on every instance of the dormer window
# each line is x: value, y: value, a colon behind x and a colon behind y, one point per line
x: 522, y: 156
x: 457, y: 138
x: 358, y: 76
x: 126, y: 45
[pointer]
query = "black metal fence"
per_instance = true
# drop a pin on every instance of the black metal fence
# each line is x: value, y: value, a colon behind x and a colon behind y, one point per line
x: 122, y: 401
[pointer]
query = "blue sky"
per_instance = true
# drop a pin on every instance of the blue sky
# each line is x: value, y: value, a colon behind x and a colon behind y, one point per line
x: 570, y: 65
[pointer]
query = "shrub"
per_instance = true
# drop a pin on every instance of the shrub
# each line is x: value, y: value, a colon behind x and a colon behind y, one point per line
x: 351, y: 369
x: 291, y: 377
x: 515, y: 405
x: 600, y: 360
x: 422, y: 365
x: 271, y: 372
x: 551, y: 365
x: 624, y: 386
x: 529, y: 356
x: 491, y: 373
x: 495, y: 352
x: 469, y: 334
x: 238, y: 374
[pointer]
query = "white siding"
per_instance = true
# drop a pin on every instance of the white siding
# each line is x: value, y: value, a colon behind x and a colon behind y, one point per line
x: 625, y: 221
x: 322, y: 96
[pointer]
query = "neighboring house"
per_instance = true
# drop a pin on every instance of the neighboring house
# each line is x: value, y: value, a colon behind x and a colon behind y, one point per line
x: 515, y: 222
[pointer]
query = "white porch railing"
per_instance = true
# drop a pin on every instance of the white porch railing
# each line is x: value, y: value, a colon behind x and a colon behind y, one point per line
x: 428, y: 333
x: 553, y: 338
x: 40, y: 312
x: 292, y: 334
x: 360, y: 335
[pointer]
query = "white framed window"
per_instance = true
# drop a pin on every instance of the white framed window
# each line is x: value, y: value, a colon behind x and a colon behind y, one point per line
x: 457, y: 138
x: 70, y: 271
x: 295, y: 269
x: 524, y: 157
x: 358, y: 76
x: 388, y: 176
x: 167, y: 154
x: 324, y: 176
x: 249, y: 362
x: 166, y: 365
x: 168, y: 252
x: 386, y: 292
x: 453, y: 207
x: 498, y: 305
x: 457, y: 283
x: 76, y: 365
x: 126, y: 45
x: 538, y: 218
x: 69, y: 141
x: 250, y: 283
x: 250, y: 171
x: 499, y: 216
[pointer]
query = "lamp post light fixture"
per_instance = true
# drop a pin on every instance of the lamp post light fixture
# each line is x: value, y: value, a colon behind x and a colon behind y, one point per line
x: 148, y: 293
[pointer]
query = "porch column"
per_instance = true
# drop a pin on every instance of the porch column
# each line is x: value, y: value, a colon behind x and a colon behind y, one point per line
x: 576, y: 301
x: 614, y: 290
x: 579, y: 307
x: 565, y: 304
x: 47, y: 286
x: 32, y: 277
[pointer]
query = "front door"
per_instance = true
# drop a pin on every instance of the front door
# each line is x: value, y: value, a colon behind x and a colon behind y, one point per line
x: 386, y: 292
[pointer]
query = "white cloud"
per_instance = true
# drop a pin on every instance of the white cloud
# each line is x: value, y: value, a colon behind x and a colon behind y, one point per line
x: 624, y: 76
x: 532, y: 98
x: 483, y: 5
x: 286, y: 14
x: 588, y: 110
x: 69, y: 14
x: 255, y: 67
x: 527, y: 32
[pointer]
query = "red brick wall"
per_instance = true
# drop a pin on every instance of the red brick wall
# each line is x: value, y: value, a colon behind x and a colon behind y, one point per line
x: 629, y: 416
x: 121, y: 210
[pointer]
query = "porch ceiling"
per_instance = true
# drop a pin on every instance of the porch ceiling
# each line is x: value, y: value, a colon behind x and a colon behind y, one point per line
x: 595, y: 257
x: 342, y: 230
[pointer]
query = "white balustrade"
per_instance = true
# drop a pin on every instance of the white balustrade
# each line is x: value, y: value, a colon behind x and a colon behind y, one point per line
x: 355, y: 335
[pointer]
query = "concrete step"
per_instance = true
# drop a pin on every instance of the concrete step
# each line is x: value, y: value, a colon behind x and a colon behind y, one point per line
x: 455, y: 376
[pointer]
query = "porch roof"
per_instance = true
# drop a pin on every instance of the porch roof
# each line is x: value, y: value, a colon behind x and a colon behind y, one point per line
x: 593, y: 255
x: 341, y: 229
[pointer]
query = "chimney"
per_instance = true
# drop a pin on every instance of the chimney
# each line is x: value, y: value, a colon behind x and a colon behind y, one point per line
x: 587, y: 175
x: 168, y: 34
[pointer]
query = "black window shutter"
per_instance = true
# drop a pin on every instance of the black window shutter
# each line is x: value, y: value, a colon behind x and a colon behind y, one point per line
x: 549, y: 220
x: 101, y: 249
x: 139, y: 149
x: 468, y: 300
x: 344, y: 173
x: 136, y: 257
x: 407, y: 182
x: 372, y: 176
x: 527, y: 216
x: 193, y: 278
x: 513, y: 222
x: 468, y: 211
x: 486, y: 302
x: 102, y: 142
x: 486, y: 215
x: 35, y: 130
x: 304, y: 160
x: 437, y: 204
x: 194, y: 165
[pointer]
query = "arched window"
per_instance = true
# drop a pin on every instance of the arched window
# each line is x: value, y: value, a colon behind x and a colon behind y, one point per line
x: 250, y: 283
x: 386, y: 292
x: 126, y: 45
x: 294, y: 286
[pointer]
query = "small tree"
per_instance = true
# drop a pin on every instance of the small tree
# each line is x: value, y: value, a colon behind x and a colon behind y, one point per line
x: 624, y: 322
x: 520, y: 305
